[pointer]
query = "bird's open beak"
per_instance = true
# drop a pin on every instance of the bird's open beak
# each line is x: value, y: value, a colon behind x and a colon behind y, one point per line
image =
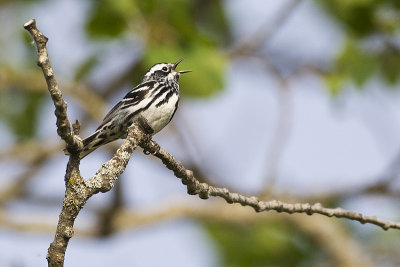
x: 184, y: 71
x: 177, y: 63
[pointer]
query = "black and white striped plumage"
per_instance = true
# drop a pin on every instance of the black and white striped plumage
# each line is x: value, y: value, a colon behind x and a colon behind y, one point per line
x: 156, y: 99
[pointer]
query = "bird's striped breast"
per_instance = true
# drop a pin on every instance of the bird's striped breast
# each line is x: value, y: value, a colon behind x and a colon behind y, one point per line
x: 156, y: 102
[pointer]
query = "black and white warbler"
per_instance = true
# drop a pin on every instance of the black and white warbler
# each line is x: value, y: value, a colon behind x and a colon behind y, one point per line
x: 155, y: 99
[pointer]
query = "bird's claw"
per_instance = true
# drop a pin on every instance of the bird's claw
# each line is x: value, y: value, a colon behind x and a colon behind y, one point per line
x: 153, y: 144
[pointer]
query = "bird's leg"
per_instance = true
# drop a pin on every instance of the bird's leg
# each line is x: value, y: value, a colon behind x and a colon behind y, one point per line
x: 142, y: 122
x: 154, y: 147
x: 76, y: 127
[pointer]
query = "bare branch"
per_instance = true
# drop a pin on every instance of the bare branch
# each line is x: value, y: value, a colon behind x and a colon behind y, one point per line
x: 281, y: 135
x: 64, y: 129
x: 265, y: 32
x: 194, y: 187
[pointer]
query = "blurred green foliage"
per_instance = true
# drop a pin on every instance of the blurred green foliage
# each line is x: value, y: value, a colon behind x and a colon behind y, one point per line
x: 363, y: 18
x: 19, y: 110
x: 371, y: 26
x: 270, y: 243
x: 198, y: 30
x: 192, y: 29
x: 170, y: 30
x: 107, y: 18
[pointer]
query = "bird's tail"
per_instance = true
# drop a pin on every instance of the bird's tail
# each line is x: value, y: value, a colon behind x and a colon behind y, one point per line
x: 91, y: 143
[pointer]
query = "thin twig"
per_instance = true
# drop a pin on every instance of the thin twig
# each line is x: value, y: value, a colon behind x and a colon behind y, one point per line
x: 194, y: 187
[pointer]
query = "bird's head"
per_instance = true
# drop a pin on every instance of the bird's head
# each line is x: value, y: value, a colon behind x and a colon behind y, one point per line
x: 164, y: 72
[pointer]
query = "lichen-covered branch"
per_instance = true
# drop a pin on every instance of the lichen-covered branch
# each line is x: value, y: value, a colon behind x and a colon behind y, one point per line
x: 64, y: 128
x: 78, y: 191
x: 194, y: 187
x: 110, y: 171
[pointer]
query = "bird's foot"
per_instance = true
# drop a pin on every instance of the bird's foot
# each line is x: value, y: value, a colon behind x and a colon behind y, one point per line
x: 151, y: 147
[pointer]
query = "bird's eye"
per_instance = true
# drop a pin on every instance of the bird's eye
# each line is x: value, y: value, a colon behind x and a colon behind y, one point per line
x: 164, y: 69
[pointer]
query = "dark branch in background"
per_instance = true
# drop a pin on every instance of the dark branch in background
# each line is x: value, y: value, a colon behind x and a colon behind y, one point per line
x: 264, y: 32
x: 17, y: 187
x: 281, y: 134
x: 250, y: 47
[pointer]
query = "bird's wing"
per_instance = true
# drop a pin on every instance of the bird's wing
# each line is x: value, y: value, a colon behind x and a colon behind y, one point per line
x: 132, y: 98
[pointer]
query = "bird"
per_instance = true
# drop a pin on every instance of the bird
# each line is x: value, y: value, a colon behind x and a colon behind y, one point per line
x: 156, y: 99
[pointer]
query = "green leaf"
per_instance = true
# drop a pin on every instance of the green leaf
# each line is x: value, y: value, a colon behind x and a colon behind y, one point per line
x: 183, y: 22
x: 356, y: 63
x: 390, y: 65
x: 212, y: 20
x: 352, y: 64
x: 362, y: 18
x: 356, y: 15
x: 335, y: 83
x: 170, y: 30
x: 107, y: 18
